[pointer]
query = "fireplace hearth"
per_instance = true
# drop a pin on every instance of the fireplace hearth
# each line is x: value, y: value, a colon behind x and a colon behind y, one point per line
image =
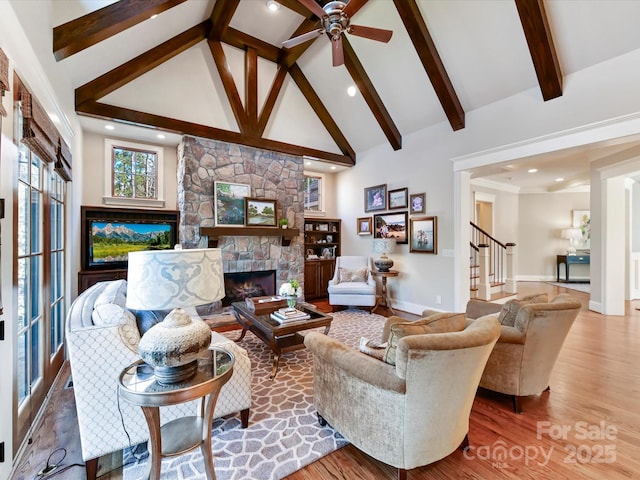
x: 240, y: 285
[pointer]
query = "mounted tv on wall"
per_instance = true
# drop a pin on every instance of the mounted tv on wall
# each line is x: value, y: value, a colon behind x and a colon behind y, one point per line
x: 109, y: 234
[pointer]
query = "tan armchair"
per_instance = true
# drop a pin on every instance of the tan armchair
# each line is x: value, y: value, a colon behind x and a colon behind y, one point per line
x: 522, y: 360
x: 409, y: 414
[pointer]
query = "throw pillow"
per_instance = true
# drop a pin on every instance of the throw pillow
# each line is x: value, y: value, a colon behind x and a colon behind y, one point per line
x: 438, y: 323
x: 109, y: 314
x: 352, y: 275
x: 145, y: 319
x: 115, y: 292
x: 373, y: 349
x: 129, y: 333
x: 509, y: 310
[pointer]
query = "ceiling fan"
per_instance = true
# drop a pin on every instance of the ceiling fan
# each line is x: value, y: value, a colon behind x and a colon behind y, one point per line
x: 335, y: 19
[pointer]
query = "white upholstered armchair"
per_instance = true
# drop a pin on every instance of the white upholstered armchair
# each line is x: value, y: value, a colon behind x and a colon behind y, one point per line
x: 352, y: 283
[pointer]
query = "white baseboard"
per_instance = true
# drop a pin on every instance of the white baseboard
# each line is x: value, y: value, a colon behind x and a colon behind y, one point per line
x: 412, y: 307
x: 595, y: 306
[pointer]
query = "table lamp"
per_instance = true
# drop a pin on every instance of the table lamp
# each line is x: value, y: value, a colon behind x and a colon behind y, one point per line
x: 178, y: 279
x: 383, y: 246
x: 571, y: 234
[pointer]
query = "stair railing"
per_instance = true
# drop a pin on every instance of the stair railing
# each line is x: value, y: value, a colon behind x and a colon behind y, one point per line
x: 497, y: 269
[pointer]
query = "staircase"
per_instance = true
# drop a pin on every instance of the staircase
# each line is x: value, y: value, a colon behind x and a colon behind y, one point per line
x: 491, y: 265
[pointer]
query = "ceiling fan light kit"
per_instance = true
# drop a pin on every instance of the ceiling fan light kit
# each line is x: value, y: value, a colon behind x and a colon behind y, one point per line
x: 335, y: 20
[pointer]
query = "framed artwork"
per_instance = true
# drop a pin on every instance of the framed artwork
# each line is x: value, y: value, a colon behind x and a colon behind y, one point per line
x: 260, y: 212
x: 424, y: 235
x: 391, y: 225
x: 228, y: 201
x: 398, y: 198
x: 417, y: 201
x: 582, y: 220
x: 364, y: 226
x: 375, y: 198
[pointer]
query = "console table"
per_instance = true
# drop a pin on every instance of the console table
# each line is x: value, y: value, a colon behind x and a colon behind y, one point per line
x: 569, y: 260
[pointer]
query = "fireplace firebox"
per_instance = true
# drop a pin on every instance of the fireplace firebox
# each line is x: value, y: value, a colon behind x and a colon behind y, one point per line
x: 240, y: 285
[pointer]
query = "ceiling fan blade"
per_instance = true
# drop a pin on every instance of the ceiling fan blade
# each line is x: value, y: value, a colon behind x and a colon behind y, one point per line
x: 336, y: 52
x: 353, y: 6
x: 292, y: 42
x: 314, y: 7
x: 371, y: 33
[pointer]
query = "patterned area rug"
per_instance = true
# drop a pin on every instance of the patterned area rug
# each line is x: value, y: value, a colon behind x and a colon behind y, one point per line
x: 283, y: 434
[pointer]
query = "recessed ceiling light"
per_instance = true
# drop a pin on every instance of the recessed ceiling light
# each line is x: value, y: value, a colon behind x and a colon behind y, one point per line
x: 160, y: 135
x: 153, y: 16
x: 351, y: 91
x: 333, y: 167
x: 560, y: 179
x: 109, y: 127
x: 273, y: 6
x: 532, y: 170
x: 308, y: 164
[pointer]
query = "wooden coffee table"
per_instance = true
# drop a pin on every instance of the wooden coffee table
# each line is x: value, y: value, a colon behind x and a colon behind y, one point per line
x: 280, y: 338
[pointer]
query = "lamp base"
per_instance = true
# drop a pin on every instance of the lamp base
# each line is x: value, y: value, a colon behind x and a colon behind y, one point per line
x: 177, y: 374
x: 383, y: 264
x: 571, y: 251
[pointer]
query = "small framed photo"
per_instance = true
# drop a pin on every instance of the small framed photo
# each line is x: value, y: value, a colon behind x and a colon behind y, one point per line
x: 375, y: 198
x: 391, y: 225
x: 417, y: 202
x: 424, y: 235
x: 329, y: 238
x: 260, y: 212
x: 323, y: 227
x: 228, y: 201
x: 364, y: 226
x: 398, y: 198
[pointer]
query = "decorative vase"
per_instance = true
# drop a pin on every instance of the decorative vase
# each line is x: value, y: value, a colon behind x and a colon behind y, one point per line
x: 291, y: 302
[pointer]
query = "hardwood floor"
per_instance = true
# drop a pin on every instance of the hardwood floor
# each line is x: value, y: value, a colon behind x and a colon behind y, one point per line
x: 586, y: 427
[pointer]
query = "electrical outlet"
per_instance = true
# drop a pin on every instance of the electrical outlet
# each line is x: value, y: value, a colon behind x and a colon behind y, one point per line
x: 439, y: 299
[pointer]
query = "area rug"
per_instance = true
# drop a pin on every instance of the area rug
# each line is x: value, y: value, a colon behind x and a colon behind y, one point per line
x: 580, y: 287
x: 283, y: 434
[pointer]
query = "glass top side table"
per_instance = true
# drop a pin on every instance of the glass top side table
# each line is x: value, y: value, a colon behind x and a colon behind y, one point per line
x: 138, y: 386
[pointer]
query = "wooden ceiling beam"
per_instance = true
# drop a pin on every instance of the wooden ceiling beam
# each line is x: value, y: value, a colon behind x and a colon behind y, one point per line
x: 321, y: 111
x: 92, y: 28
x: 229, y: 85
x: 426, y: 49
x: 370, y: 95
x: 270, y: 102
x: 243, y: 41
x: 251, y: 89
x: 119, y: 76
x: 221, y: 17
x: 125, y: 115
x: 533, y: 18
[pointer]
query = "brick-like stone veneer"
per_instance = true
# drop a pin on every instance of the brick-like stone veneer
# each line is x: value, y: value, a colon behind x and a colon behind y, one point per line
x: 271, y: 175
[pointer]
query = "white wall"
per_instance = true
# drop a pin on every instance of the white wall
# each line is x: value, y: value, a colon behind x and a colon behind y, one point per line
x: 505, y: 212
x: 635, y: 219
x: 542, y: 217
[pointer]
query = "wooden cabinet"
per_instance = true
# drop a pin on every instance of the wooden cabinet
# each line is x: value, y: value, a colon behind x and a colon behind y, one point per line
x: 317, y: 274
x: 88, y: 278
x: 322, y: 246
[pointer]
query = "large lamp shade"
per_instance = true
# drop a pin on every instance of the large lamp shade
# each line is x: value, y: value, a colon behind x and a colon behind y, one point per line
x: 166, y: 279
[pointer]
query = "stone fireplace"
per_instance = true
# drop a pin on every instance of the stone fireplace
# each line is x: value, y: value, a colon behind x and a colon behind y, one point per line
x: 271, y: 175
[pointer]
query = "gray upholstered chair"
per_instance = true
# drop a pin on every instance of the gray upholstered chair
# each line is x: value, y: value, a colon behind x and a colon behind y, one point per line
x: 349, y: 286
x: 409, y: 414
x: 522, y: 360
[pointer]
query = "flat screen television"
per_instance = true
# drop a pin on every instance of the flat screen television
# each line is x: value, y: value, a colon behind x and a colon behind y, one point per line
x: 109, y: 234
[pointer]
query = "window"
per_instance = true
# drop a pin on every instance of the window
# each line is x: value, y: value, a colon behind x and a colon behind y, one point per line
x: 133, y: 174
x: 313, y: 194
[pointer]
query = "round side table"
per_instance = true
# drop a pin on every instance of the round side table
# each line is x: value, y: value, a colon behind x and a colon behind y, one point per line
x: 382, y: 300
x: 138, y: 386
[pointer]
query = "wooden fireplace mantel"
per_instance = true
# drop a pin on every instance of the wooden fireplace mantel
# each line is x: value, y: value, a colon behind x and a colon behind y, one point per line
x: 214, y: 233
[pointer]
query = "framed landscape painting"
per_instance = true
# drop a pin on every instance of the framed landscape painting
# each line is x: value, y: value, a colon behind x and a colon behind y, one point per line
x: 424, y: 235
x: 391, y: 225
x: 228, y: 201
x: 260, y: 212
x: 398, y: 198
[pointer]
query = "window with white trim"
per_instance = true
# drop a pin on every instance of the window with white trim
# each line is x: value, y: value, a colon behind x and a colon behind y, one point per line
x: 313, y: 194
x: 133, y: 174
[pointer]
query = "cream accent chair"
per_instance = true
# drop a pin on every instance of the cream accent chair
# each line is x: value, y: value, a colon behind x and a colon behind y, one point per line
x: 411, y: 414
x: 357, y: 294
x: 97, y: 355
x: 522, y: 360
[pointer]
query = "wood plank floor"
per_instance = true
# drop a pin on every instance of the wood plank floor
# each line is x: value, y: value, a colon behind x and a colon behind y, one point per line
x: 586, y: 427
